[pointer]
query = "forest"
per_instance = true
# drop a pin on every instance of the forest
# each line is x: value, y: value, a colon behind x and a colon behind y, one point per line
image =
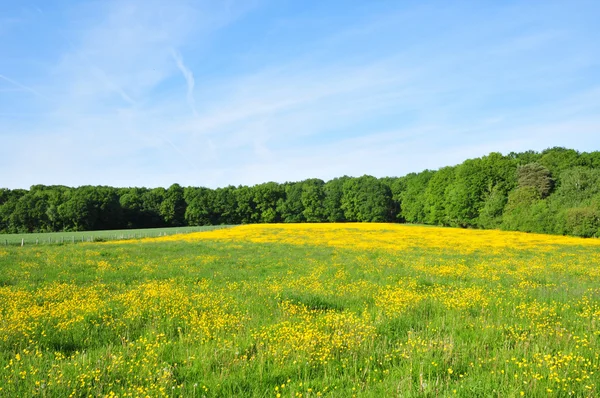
x: 555, y: 191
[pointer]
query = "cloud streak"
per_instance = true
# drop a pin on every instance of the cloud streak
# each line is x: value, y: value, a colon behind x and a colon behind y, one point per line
x: 345, y: 96
x: 189, y: 80
x: 22, y: 86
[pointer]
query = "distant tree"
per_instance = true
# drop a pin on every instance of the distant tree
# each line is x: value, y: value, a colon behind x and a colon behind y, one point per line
x: 527, y: 211
x: 291, y: 208
x: 575, y: 201
x: 397, y: 187
x: 525, y: 157
x: 79, y: 211
x: 53, y: 196
x: 141, y: 207
x: 434, y: 207
x: 200, y: 209
x: 29, y: 214
x: 332, y: 203
x: 558, y: 159
x: 312, y: 198
x: 490, y: 215
x: 173, y: 207
x: 474, y: 182
x: 578, y: 184
x: 591, y: 159
x: 557, y: 191
x: 411, y: 192
x: 91, y: 208
x: 7, y: 208
x: 390, y: 182
x: 583, y: 221
x: 267, y: 197
x: 536, y: 176
x: 366, y: 199
x: 152, y: 202
x: 132, y: 205
x: 225, y: 206
x: 246, y: 211
x: 110, y: 213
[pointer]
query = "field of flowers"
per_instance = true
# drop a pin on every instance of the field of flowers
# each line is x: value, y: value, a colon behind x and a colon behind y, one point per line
x: 341, y: 310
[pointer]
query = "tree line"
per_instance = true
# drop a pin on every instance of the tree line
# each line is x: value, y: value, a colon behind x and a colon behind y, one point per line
x: 555, y: 191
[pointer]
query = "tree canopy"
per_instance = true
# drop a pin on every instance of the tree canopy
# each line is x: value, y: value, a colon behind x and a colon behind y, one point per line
x: 554, y: 191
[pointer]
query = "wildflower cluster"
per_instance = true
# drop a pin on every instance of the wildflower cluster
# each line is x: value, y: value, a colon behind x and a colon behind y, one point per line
x: 304, y: 310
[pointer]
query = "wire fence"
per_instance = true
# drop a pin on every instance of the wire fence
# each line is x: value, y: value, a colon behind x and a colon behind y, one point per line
x: 96, y: 236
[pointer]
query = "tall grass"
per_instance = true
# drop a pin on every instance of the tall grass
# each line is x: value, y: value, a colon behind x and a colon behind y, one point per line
x: 259, y: 311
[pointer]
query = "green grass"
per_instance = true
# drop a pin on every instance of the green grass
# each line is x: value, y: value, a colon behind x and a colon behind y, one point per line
x: 88, y: 236
x: 235, y: 318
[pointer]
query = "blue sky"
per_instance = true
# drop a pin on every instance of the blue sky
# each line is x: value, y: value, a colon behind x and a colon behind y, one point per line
x: 212, y: 93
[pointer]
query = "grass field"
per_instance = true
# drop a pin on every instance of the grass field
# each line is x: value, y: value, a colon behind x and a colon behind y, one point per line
x: 88, y: 236
x: 340, y: 310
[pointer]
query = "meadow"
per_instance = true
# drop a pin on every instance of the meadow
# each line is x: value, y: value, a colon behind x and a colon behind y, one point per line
x: 304, y: 310
x: 43, y: 238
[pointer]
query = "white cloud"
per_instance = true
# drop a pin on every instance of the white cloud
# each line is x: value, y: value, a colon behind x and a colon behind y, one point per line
x: 118, y: 117
x: 21, y: 86
x: 189, y: 80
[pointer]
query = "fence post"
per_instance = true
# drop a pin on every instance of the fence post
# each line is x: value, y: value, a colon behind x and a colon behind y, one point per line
x: 22, y: 242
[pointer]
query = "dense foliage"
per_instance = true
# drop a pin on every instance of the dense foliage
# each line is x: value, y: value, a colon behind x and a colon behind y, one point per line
x: 553, y: 191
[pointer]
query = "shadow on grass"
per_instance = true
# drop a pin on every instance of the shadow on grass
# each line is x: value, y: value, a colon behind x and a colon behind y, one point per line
x: 313, y: 302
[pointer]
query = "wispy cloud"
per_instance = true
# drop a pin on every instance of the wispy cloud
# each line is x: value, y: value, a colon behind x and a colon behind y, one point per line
x: 189, y: 79
x: 21, y: 86
x: 355, y: 95
x: 111, y: 84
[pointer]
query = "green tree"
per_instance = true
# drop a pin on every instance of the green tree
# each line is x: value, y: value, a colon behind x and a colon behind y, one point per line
x: 578, y: 184
x: 291, y: 208
x: 591, y: 159
x: 583, y: 221
x: 7, y: 208
x: 312, y: 198
x: 527, y: 211
x: 173, y: 207
x: 268, y: 197
x: 29, y: 214
x: 225, y: 206
x: 366, y: 199
x: 434, y: 207
x: 200, y: 209
x: 246, y: 207
x: 132, y: 205
x: 558, y: 159
x: 537, y: 176
x: 78, y: 212
x: 525, y: 157
x: 490, y: 215
x: 411, y: 192
x: 152, y: 201
x: 332, y: 203
x: 475, y: 180
x: 55, y: 198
